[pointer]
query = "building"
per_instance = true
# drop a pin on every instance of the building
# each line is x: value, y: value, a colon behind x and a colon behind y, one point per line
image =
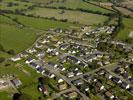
x: 72, y: 95
x: 16, y: 82
x: 109, y: 95
x: 62, y: 86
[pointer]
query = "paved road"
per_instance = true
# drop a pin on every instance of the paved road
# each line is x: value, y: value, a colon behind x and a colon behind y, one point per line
x: 57, y: 73
x: 93, y: 71
x: 62, y: 92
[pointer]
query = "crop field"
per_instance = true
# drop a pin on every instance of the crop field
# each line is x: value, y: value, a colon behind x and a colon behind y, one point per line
x: 74, y: 4
x: 125, y: 11
x: 128, y: 4
x: 124, y: 33
x: 71, y: 16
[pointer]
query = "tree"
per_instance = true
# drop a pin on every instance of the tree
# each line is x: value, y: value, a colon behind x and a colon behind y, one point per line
x: 1, y: 48
x: 43, y: 80
x: 18, y: 96
x: 2, y: 59
x: 24, y: 97
x: 11, y: 52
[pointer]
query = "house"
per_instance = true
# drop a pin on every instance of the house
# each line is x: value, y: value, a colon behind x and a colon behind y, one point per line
x: 52, y: 52
x: 70, y: 74
x: 116, y: 80
x: 62, y: 86
x: 37, y: 45
x: 91, y: 57
x: 73, y: 59
x: 16, y: 82
x: 78, y: 82
x: 42, y: 89
x: 44, y: 41
x: 125, y: 74
x: 99, y: 85
x: 108, y: 94
x: 51, y: 75
x: 100, y: 63
x: 84, y: 65
x: 90, y: 78
x: 40, y: 55
x: 72, y: 95
x: 24, y: 54
x: 86, y: 88
x: 108, y: 76
x: 33, y: 65
x: 16, y: 58
x: 40, y: 69
x: 60, y: 80
x: 32, y: 50
x: 64, y: 46
x: 58, y: 30
x: 62, y: 68
x: 125, y: 85
x: 101, y: 72
x: 78, y: 73
x: 119, y: 70
x: 29, y: 60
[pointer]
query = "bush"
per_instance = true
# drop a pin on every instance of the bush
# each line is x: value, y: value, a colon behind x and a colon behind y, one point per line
x: 2, y: 59
x: 11, y: 52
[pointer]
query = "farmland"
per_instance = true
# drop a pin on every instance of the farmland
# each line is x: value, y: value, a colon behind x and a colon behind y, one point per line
x: 124, y: 33
x: 16, y: 42
x: 17, y: 38
x: 74, y: 4
x: 54, y: 49
x: 43, y: 24
x: 71, y: 16
x: 14, y: 5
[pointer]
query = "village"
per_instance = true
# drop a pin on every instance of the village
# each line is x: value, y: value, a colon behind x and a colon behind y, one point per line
x: 79, y: 64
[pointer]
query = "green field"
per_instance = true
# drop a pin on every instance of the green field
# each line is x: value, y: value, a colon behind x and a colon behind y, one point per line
x: 124, y: 33
x: 74, y: 4
x: 71, y: 16
x: 43, y: 24
x: 22, y: 38
x: 16, y: 38
x: 14, y: 5
x: 5, y: 96
x: 27, y: 79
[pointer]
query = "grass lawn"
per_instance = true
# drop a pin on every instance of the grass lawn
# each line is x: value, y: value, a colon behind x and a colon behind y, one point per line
x: 72, y: 16
x: 78, y: 4
x: 5, y: 95
x: 32, y: 91
x: 124, y: 33
x: 16, y: 38
x: 27, y: 79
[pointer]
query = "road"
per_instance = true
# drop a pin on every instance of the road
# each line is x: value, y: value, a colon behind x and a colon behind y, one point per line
x: 93, y: 71
x: 57, y: 73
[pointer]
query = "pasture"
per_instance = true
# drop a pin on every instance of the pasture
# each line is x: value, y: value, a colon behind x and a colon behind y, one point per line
x: 71, y: 16
x: 43, y: 24
x: 14, y: 5
x: 125, y: 11
x: 124, y: 33
x: 15, y: 38
x: 74, y: 4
